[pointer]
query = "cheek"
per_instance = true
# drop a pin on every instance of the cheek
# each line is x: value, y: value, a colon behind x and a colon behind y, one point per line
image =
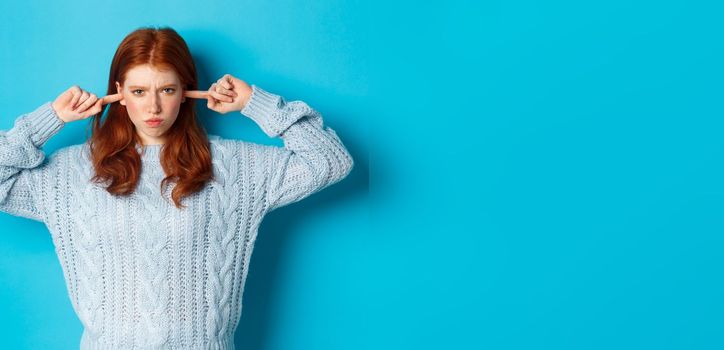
x: 172, y: 106
x: 172, y: 103
x: 133, y: 110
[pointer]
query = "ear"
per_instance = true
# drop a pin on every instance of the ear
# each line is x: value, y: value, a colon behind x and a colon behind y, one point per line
x: 118, y: 90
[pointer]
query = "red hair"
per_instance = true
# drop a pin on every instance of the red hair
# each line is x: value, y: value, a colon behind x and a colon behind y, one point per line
x: 186, y: 155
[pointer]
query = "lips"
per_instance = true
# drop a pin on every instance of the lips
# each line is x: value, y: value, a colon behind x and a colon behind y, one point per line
x: 154, y: 122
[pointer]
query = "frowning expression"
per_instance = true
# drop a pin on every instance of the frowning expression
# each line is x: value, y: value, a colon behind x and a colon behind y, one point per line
x: 152, y: 98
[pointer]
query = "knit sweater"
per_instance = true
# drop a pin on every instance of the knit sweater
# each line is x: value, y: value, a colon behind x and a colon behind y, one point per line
x: 141, y: 273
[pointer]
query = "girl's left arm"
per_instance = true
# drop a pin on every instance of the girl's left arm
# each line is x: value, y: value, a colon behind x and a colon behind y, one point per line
x: 313, y: 156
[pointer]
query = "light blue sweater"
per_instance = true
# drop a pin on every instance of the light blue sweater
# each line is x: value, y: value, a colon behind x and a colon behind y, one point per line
x: 141, y: 273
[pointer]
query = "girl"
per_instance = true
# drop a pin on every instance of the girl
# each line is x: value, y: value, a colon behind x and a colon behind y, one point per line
x: 153, y: 220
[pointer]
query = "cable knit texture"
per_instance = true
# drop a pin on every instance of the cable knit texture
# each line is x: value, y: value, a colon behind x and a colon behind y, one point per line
x: 141, y: 273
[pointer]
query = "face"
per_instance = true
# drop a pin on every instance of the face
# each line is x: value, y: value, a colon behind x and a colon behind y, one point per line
x: 152, y: 98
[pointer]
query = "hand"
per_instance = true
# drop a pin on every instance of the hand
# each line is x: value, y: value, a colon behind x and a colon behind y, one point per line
x: 76, y: 104
x: 228, y: 94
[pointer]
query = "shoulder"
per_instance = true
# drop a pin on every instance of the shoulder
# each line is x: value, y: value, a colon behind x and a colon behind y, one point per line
x: 219, y: 143
x: 247, y: 154
x: 65, y: 160
x: 69, y: 153
x: 74, y: 158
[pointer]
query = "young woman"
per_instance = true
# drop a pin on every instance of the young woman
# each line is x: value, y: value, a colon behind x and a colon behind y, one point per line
x: 153, y: 220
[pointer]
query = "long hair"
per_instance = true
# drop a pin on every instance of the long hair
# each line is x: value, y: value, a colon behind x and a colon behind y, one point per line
x: 186, y: 155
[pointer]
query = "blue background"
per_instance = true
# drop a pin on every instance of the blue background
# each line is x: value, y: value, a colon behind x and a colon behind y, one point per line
x: 529, y: 174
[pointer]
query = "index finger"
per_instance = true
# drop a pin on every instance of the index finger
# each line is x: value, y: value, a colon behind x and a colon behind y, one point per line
x: 196, y: 94
x: 111, y: 98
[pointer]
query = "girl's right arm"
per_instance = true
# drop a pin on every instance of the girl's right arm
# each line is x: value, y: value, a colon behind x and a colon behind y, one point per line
x: 22, y: 161
x: 22, y: 166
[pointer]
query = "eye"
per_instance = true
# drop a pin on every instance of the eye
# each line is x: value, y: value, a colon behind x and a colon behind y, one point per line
x: 172, y: 90
x: 134, y: 91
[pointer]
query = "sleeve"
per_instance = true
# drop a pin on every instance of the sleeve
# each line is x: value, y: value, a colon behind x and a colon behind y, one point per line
x: 313, y: 156
x: 22, y: 162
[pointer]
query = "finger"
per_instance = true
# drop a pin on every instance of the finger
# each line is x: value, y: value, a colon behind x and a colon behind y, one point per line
x: 214, y: 94
x: 226, y: 81
x: 211, y: 103
x: 77, y: 93
x: 97, y: 108
x: 111, y: 98
x: 84, y: 96
x: 225, y: 91
x: 220, y: 97
x: 196, y: 94
x: 92, y: 98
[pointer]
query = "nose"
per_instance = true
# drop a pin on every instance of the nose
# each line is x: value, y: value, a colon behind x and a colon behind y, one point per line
x: 154, y: 104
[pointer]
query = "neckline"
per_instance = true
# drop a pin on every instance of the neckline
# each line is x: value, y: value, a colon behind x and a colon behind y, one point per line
x: 149, y: 151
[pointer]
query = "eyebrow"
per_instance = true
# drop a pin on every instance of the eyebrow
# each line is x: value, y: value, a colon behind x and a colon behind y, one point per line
x: 145, y: 87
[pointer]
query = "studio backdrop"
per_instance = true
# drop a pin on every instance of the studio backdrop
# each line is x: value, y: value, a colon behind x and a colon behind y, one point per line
x: 528, y: 174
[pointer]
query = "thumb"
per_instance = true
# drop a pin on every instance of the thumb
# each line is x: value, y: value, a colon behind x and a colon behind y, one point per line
x: 211, y: 102
x: 97, y: 108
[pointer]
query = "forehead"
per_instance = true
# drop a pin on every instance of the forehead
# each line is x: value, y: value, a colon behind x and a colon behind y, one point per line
x: 145, y: 75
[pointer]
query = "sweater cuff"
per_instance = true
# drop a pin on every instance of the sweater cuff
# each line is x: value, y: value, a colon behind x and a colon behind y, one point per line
x: 43, y: 123
x: 266, y: 109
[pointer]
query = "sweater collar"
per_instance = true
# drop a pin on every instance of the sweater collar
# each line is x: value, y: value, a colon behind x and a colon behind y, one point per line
x: 149, y: 152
